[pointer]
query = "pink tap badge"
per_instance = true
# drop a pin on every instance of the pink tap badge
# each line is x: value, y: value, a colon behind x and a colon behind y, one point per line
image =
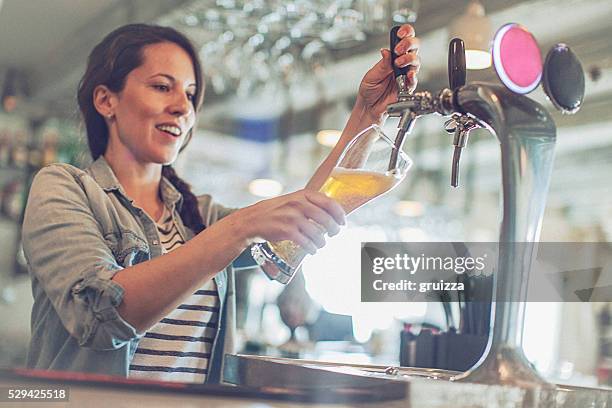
x: 517, y: 58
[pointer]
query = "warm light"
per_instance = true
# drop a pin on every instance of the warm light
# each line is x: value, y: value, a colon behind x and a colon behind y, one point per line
x: 408, y: 208
x: 328, y: 137
x: 9, y: 103
x: 475, y: 29
x: 9, y: 96
x: 265, y: 187
x: 477, y: 59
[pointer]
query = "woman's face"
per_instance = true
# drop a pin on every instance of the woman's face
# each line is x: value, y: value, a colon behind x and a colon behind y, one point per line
x: 154, y: 111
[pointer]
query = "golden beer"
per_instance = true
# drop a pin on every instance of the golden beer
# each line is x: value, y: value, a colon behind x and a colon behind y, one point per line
x: 351, y: 188
x: 369, y: 166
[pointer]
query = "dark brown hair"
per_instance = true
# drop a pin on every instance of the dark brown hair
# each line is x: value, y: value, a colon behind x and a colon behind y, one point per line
x: 109, y: 63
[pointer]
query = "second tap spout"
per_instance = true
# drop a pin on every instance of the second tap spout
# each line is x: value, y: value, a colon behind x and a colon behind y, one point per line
x: 460, y: 125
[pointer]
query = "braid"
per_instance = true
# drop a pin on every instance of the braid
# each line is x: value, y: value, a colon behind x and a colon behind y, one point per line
x: 190, y: 214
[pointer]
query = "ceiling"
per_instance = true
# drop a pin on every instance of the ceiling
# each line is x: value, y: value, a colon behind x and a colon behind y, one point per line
x: 48, y: 41
x: 33, y: 31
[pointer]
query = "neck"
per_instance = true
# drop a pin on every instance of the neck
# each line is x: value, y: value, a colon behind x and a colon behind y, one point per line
x: 140, y: 181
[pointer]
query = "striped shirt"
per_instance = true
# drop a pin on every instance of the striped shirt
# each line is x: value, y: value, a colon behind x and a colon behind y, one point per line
x: 178, y: 347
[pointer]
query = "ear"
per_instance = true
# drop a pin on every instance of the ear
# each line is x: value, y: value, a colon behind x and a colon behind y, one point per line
x: 104, y: 101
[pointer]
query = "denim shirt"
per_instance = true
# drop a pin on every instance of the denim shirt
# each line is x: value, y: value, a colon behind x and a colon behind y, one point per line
x: 80, y: 228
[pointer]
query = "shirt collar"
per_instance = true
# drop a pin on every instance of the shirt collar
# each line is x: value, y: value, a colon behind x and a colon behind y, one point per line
x: 102, y: 172
x: 170, y: 194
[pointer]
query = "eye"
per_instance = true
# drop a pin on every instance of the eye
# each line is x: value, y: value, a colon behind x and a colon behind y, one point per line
x: 162, y: 87
x: 190, y: 96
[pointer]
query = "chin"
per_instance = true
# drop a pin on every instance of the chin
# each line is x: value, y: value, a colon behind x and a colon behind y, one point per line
x: 166, y: 157
x: 168, y: 161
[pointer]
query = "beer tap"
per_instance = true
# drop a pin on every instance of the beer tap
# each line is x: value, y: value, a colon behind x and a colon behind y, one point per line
x: 527, y: 135
x: 411, y: 106
x: 459, y: 124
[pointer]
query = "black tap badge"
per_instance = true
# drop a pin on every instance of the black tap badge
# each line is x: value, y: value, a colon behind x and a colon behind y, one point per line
x: 471, y: 271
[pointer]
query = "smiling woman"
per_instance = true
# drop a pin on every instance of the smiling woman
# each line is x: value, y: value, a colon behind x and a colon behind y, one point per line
x: 138, y: 98
x: 128, y: 90
x: 131, y: 272
x: 154, y: 108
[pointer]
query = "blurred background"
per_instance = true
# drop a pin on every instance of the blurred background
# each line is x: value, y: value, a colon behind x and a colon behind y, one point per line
x: 281, y: 80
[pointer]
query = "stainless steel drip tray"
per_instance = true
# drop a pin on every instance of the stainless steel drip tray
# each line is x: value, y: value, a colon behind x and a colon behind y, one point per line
x: 422, y: 387
x: 408, y: 387
x: 263, y: 371
x: 311, y: 380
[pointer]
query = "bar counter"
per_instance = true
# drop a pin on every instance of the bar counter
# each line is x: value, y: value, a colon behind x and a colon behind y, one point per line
x: 264, y: 382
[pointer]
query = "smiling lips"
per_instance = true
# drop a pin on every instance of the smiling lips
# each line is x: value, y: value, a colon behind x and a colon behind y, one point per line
x: 170, y: 129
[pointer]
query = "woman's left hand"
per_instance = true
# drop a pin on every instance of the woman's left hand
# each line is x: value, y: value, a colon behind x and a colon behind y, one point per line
x: 377, y: 90
x: 378, y: 87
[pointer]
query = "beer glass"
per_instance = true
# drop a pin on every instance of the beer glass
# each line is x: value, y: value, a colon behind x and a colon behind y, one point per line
x: 369, y: 166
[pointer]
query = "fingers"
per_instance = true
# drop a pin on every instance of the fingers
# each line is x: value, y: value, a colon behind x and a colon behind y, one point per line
x: 315, y: 233
x: 322, y: 218
x: 325, y: 212
x: 407, y: 49
x: 407, y: 44
x: 330, y: 206
x: 407, y: 52
x: 305, y: 217
x: 406, y: 30
x: 385, y: 63
x: 307, y: 234
x: 304, y: 241
x: 386, y: 56
x: 411, y: 59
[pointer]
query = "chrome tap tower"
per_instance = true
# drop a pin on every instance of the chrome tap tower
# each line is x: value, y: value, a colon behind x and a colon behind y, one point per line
x: 526, y: 134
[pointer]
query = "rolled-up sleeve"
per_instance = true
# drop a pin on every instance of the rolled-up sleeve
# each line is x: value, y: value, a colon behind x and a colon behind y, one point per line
x: 213, y: 212
x: 71, y: 260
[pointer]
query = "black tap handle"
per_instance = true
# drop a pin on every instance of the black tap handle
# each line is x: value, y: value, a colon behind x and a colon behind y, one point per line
x: 393, y: 40
x: 456, y: 64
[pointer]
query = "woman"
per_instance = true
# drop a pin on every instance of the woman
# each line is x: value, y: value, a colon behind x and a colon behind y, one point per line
x: 131, y: 272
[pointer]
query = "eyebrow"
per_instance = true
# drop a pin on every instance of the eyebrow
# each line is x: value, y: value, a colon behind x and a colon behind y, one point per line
x: 170, y: 78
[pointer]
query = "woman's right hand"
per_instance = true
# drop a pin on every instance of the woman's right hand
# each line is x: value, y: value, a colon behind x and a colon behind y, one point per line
x: 293, y: 217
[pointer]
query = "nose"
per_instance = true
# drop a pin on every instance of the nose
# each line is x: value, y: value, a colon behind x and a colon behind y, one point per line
x: 181, y: 105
